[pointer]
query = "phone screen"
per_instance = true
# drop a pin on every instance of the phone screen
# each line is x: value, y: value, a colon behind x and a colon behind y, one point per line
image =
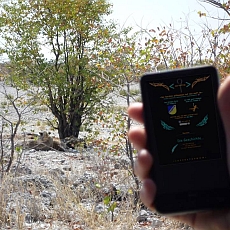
x: 185, y: 133
x: 184, y: 113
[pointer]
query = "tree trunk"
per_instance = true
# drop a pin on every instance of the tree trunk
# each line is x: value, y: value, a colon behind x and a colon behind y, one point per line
x: 68, y: 128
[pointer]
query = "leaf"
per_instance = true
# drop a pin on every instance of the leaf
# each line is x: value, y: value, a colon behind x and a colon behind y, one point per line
x: 112, y: 207
x: 201, y: 14
x: 18, y: 149
x: 97, y: 185
x: 107, y: 200
x: 130, y: 192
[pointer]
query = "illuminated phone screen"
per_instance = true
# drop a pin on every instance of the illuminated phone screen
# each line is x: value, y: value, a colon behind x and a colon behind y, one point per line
x: 186, y: 138
x: 184, y: 116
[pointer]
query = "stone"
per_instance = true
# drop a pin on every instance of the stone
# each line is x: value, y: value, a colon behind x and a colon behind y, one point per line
x: 99, y: 208
x: 67, y: 168
x: 143, y: 216
x: 156, y: 223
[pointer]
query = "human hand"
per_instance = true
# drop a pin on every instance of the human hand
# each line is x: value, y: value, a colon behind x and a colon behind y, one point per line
x: 217, y: 219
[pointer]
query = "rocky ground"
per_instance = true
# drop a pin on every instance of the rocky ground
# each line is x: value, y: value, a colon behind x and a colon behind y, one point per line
x: 56, y: 190
x: 70, y: 190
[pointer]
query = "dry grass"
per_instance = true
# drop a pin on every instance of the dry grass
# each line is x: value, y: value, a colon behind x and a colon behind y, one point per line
x: 20, y: 203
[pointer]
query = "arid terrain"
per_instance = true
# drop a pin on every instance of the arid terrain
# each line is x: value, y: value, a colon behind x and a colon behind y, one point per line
x: 82, y: 188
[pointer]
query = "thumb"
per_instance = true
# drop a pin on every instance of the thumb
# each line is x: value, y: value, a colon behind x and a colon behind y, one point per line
x: 224, y: 107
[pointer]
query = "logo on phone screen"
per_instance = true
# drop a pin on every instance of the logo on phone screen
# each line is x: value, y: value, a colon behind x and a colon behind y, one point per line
x: 172, y: 109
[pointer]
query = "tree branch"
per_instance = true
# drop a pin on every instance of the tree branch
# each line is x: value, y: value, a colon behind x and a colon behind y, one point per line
x: 216, y: 4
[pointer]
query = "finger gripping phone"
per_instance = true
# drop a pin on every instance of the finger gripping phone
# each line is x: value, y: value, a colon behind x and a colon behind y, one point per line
x: 185, y: 135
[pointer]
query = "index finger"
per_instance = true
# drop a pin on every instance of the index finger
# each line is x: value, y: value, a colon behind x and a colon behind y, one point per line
x: 135, y: 111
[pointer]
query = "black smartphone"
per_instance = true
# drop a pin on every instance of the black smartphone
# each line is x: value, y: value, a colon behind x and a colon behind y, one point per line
x: 186, y: 137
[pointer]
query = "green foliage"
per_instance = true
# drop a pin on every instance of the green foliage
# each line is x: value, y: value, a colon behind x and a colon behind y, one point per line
x: 18, y: 149
x: 111, y: 205
x: 58, y: 50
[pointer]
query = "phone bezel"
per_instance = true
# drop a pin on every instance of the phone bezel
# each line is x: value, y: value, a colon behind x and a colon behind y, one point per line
x: 189, y: 201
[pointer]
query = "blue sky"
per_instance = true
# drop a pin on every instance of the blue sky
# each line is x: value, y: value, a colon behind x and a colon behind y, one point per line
x: 152, y: 13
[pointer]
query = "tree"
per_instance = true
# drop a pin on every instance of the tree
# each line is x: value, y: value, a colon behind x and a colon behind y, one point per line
x: 220, y: 37
x: 125, y: 59
x: 224, y: 6
x: 54, y: 45
x: 15, y: 106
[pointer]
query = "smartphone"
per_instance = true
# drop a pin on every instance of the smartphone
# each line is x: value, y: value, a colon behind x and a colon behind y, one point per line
x: 186, y: 137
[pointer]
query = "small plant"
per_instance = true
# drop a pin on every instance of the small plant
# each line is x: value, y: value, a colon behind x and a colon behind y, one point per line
x: 111, y: 205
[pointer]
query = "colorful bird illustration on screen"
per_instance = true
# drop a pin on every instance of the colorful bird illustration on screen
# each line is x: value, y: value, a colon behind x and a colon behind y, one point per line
x: 203, y: 122
x: 166, y: 127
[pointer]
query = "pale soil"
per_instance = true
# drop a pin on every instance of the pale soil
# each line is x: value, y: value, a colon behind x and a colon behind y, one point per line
x: 75, y: 164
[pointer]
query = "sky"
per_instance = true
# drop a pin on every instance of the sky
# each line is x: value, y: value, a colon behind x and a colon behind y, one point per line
x: 151, y: 13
